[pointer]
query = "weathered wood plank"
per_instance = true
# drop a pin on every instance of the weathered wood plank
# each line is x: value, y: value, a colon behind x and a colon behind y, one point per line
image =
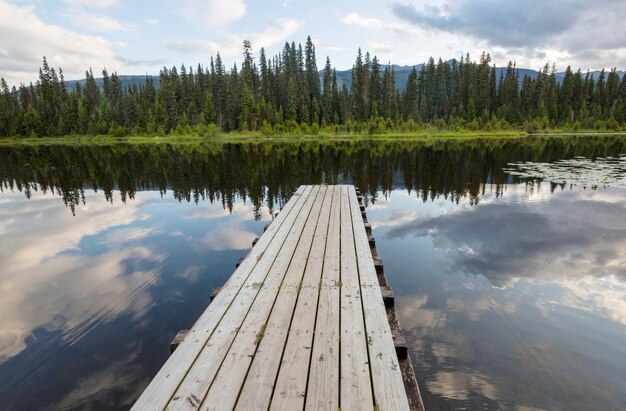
x: 195, y: 384
x: 389, y: 392
x: 265, y: 348
x: 323, y: 380
x: 285, y: 274
x: 163, y: 386
x: 290, y: 388
x: 355, y: 382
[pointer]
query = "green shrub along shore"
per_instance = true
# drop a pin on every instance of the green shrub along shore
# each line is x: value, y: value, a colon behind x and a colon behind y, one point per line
x: 287, y: 95
x: 213, y: 136
x: 373, y: 129
x: 381, y: 127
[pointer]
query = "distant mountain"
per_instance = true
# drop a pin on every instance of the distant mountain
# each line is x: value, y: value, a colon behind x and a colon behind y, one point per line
x: 345, y: 76
x: 402, y: 74
x: 126, y: 80
x: 594, y: 74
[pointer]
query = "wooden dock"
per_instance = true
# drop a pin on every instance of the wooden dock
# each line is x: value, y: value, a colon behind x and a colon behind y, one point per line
x: 301, y: 324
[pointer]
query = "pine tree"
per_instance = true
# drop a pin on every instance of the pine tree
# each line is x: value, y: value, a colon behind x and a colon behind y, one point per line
x: 9, y: 110
x: 483, y: 87
x: 327, y: 96
x: 374, y: 89
x: 409, y: 98
x: 358, y: 88
x: 312, y: 74
x: 208, y: 110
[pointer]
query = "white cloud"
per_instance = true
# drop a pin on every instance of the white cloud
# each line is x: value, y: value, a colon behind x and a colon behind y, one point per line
x: 230, y: 234
x: 474, y: 309
x: 239, y: 212
x: 211, y: 211
x: 192, y: 273
x: 357, y: 20
x: 603, y: 297
x: 401, y: 30
x: 480, y: 240
x: 126, y: 235
x: 97, y: 22
x: 228, y: 237
x: 151, y: 22
x: 395, y: 218
x: 29, y: 249
x: 332, y: 48
x: 96, y: 4
x: 45, y: 285
x: 382, y: 48
x: 458, y: 385
x: 26, y: 39
x: 231, y: 45
x: 211, y: 14
x: 322, y: 46
x: 414, y: 316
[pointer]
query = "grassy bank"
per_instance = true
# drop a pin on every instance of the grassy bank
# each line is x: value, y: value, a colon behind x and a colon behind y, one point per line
x: 244, y: 137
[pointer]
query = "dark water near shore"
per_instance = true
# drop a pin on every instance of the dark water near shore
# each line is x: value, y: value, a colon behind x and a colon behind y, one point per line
x: 507, y: 258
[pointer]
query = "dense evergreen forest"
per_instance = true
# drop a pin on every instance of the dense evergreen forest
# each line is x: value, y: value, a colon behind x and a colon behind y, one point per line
x: 286, y: 94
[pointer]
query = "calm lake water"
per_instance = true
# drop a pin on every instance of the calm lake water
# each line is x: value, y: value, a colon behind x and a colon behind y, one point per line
x: 507, y: 257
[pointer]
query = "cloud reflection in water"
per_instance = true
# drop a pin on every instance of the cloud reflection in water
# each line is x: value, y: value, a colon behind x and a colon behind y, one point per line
x: 526, y: 290
x: 46, y: 284
x: 572, y: 236
x: 577, y: 240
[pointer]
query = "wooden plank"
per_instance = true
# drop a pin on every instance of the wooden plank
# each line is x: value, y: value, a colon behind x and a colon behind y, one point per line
x: 263, y: 334
x: 288, y: 266
x: 290, y: 388
x: 355, y: 381
x: 389, y: 392
x: 323, y: 380
x: 163, y: 386
x: 195, y: 384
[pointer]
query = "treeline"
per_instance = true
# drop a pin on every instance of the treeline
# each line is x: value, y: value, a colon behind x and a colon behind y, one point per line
x: 286, y: 93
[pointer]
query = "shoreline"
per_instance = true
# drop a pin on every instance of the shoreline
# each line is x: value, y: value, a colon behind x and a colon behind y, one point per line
x: 257, y: 137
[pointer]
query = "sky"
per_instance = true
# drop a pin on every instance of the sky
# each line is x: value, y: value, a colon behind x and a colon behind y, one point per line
x: 142, y: 36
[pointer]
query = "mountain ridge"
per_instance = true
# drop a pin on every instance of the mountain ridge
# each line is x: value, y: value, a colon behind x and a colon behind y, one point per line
x: 345, y: 76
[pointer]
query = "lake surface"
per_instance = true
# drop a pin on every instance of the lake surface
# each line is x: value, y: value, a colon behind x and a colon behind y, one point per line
x: 507, y: 258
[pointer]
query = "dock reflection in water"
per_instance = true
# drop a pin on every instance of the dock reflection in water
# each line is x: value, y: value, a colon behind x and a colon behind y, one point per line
x: 511, y: 286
